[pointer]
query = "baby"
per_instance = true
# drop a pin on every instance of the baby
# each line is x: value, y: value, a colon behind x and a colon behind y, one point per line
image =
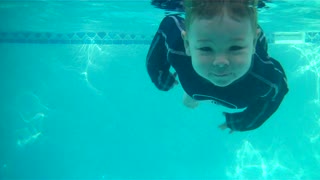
x: 219, y: 53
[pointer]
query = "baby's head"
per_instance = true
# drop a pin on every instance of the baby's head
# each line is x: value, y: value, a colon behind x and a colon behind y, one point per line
x: 220, y: 36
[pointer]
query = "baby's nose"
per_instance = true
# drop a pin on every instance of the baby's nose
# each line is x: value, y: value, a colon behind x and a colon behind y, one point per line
x: 220, y: 61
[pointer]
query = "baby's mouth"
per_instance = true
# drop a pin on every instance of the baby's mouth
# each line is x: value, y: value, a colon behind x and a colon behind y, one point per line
x: 220, y: 74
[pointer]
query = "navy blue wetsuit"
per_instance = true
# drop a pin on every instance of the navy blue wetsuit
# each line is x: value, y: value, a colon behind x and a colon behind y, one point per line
x: 260, y: 91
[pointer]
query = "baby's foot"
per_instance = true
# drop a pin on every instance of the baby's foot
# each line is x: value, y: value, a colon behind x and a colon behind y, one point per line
x: 189, y: 101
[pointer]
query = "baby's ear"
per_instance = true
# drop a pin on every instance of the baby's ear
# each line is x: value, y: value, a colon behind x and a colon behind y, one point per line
x: 186, y: 42
x: 255, y: 40
x: 258, y: 31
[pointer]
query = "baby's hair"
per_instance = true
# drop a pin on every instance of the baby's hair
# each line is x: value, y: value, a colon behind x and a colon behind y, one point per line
x: 207, y: 9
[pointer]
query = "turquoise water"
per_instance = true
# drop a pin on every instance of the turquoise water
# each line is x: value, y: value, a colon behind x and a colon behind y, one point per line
x: 77, y: 102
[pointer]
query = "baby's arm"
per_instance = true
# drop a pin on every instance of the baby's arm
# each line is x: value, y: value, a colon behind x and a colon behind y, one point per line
x: 254, y: 116
x: 157, y: 64
x: 259, y: 111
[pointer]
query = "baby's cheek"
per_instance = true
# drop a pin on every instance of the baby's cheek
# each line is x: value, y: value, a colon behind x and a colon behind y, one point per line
x: 200, y: 67
x: 243, y: 65
x: 243, y: 60
x: 205, y: 62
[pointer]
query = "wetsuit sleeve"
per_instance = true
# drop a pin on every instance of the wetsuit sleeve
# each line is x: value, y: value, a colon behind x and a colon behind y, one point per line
x: 157, y: 63
x: 259, y: 111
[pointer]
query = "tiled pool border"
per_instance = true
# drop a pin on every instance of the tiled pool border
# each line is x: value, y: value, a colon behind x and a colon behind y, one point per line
x: 118, y: 38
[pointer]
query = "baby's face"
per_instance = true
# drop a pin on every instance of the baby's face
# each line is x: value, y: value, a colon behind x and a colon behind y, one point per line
x: 221, y: 48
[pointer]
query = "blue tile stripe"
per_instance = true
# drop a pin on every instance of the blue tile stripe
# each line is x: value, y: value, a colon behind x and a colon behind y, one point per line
x: 313, y: 37
x: 112, y: 38
x: 116, y: 38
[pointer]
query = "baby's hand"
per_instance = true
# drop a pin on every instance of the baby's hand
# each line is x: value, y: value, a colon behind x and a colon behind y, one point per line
x: 189, y: 101
x: 172, y: 78
x: 224, y: 126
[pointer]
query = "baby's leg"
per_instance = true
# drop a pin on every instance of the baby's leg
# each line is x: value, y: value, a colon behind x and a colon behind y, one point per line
x: 189, y: 101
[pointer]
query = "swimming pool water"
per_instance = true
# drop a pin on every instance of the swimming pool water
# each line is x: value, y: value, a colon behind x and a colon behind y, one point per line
x: 76, y: 100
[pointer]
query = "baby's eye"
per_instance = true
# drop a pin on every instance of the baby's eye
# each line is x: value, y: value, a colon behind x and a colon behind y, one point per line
x: 236, y: 48
x: 205, y: 49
